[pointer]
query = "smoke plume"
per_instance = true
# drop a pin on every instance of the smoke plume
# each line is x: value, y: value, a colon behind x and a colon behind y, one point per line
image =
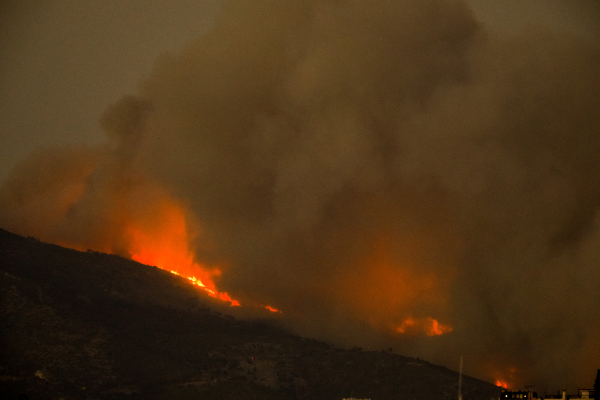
x: 358, y: 166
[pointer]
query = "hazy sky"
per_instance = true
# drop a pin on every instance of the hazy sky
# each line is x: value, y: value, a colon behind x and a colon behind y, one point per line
x: 356, y: 164
x: 64, y: 61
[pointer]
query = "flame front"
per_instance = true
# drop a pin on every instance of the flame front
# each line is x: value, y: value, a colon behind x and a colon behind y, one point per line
x: 223, y: 295
x: 504, y: 377
x: 428, y: 326
x: 502, y: 384
x: 163, y: 241
x: 392, y: 282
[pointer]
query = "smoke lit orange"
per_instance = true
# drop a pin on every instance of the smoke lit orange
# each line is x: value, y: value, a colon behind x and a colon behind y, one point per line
x: 504, y: 377
x: 428, y: 326
x: 391, y: 281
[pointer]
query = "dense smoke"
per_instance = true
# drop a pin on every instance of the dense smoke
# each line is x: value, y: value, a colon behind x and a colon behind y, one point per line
x: 356, y: 164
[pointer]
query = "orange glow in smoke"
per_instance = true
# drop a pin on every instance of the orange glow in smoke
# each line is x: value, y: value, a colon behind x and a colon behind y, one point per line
x: 163, y: 241
x: 502, y: 384
x: 503, y: 378
x: 391, y: 280
x: 438, y: 329
x: 428, y: 326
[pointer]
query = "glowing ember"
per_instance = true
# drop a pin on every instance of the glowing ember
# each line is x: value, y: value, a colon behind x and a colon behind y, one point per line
x: 429, y: 326
x: 272, y: 309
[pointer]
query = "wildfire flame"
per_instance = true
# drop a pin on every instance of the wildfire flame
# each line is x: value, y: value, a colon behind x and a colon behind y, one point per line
x: 223, y: 295
x: 429, y: 326
x: 502, y: 384
x: 163, y: 241
x: 272, y: 309
x: 505, y: 376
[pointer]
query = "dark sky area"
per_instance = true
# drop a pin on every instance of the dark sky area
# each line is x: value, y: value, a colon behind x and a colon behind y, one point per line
x: 366, y: 167
x: 64, y: 61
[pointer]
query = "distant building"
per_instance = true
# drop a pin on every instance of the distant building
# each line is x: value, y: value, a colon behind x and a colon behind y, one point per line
x: 517, y: 394
x: 527, y: 394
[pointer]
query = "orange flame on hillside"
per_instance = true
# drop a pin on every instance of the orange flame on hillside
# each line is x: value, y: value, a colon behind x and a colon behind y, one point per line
x: 390, y: 281
x: 505, y: 377
x: 223, y: 295
x: 163, y: 241
x: 272, y: 309
x: 429, y: 326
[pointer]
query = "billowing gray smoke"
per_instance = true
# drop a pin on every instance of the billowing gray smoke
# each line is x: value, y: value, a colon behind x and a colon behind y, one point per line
x: 359, y: 165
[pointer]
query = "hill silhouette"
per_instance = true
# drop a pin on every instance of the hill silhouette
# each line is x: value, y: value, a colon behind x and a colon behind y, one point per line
x: 88, y: 325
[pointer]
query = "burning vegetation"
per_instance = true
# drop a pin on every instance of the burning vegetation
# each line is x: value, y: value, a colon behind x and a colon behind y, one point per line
x: 388, y: 173
x: 163, y: 241
x: 429, y: 326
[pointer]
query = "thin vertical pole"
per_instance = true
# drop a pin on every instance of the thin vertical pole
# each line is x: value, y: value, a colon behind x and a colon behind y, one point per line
x: 460, y: 379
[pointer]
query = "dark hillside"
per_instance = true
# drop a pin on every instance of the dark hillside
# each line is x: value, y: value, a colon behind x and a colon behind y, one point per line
x: 80, y: 325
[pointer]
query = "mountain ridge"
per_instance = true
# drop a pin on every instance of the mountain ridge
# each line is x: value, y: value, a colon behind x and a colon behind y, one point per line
x: 89, y: 325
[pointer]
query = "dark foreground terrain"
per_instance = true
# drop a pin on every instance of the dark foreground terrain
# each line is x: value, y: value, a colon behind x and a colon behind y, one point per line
x: 89, y: 325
